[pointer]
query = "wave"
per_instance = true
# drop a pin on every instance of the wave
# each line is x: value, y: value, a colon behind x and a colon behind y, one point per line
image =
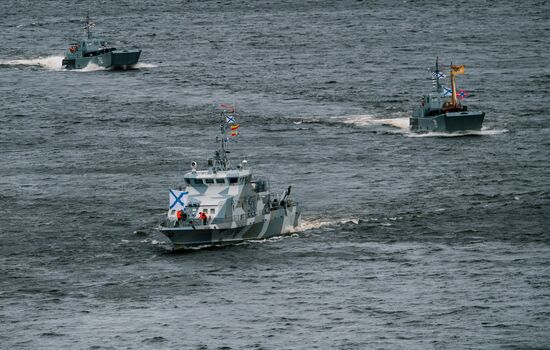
x: 144, y: 65
x: 55, y: 63
x: 320, y: 223
x: 49, y: 62
x: 399, y: 122
x: 91, y: 67
x: 482, y: 132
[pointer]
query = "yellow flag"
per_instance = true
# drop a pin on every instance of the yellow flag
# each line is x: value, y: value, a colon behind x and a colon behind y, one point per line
x: 457, y: 69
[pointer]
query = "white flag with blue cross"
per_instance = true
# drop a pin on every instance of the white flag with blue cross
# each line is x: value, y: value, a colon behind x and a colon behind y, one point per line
x: 177, y: 199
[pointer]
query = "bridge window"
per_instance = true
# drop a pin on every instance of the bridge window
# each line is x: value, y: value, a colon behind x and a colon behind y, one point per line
x: 244, y: 180
x: 209, y: 181
x: 233, y: 180
x: 197, y: 181
x: 220, y: 181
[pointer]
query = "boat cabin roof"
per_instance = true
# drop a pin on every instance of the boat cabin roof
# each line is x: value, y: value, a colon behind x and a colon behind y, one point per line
x: 229, y: 177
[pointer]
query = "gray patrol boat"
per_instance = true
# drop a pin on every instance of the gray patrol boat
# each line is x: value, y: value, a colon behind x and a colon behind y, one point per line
x: 95, y: 51
x: 223, y: 204
x: 441, y: 111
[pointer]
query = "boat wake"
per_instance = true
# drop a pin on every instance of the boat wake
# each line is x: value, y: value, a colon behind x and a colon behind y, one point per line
x: 49, y: 62
x: 482, y: 132
x: 324, y: 223
x: 55, y: 63
x: 399, y: 123
x: 144, y: 65
x: 91, y: 67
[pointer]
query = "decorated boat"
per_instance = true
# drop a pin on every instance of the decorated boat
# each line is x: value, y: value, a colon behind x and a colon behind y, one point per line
x: 442, y: 110
x: 93, y: 50
x: 221, y: 204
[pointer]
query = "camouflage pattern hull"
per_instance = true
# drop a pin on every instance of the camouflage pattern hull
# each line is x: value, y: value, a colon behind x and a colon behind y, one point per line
x: 448, y: 122
x: 278, y: 222
x: 115, y: 59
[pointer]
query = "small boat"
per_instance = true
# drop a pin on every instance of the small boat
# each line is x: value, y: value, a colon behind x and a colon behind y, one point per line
x: 95, y: 51
x: 442, y: 111
x: 224, y: 204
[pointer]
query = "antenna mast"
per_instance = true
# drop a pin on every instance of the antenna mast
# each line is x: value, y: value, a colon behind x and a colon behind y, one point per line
x: 88, y: 26
x: 221, y: 155
x: 438, y: 86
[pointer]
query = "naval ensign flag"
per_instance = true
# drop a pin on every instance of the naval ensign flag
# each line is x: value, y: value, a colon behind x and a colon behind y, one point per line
x: 176, y: 199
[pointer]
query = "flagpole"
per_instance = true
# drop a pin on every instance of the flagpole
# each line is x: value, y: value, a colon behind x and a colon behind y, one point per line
x: 438, y: 87
x: 88, y: 26
x: 222, y: 153
x: 453, y: 87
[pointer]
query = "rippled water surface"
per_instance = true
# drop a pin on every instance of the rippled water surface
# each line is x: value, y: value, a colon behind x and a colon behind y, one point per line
x: 408, y: 241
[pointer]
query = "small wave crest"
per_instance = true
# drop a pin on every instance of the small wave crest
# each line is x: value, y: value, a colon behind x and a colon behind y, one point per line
x: 49, y: 62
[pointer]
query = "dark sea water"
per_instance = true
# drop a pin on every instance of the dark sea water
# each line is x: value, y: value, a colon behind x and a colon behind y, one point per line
x: 408, y: 242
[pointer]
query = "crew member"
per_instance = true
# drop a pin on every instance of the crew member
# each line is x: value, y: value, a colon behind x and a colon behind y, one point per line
x: 203, y: 217
x: 179, y: 215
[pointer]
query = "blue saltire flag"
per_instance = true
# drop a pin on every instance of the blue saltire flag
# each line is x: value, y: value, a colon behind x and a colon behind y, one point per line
x: 439, y: 75
x: 176, y: 199
x: 447, y: 92
x: 230, y: 118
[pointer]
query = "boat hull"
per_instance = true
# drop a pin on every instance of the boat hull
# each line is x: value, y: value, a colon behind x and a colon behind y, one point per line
x: 114, y: 59
x: 448, y: 122
x: 278, y: 222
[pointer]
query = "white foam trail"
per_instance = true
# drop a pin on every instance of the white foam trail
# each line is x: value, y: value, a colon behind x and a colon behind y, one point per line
x: 320, y: 223
x: 49, y: 62
x: 400, y: 123
x: 54, y: 63
x: 91, y: 67
x: 482, y: 132
x: 144, y: 65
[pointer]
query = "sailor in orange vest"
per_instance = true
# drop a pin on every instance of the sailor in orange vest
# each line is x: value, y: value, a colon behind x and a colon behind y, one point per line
x: 179, y: 215
x: 203, y: 217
